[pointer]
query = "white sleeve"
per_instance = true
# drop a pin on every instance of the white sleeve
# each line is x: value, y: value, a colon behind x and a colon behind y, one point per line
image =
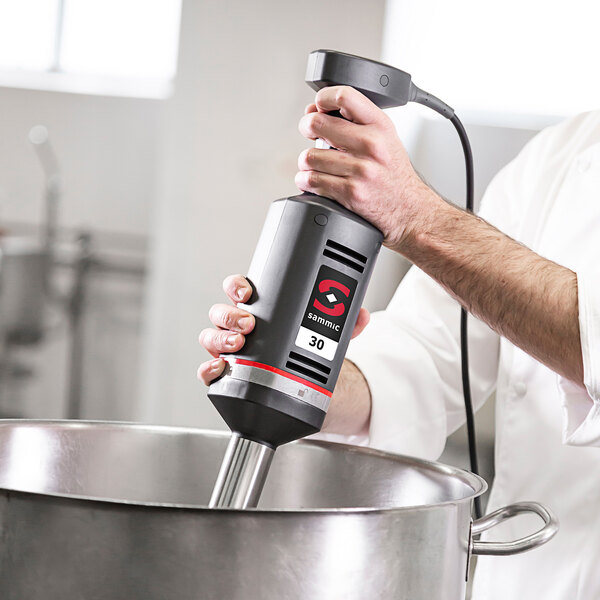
x: 410, y: 357
x: 581, y: 406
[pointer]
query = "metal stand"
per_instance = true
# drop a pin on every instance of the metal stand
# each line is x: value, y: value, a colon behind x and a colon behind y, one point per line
x: 77, y: 305
x: 243, y: 473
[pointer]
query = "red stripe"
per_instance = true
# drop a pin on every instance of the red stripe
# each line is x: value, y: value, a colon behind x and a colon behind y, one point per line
x: 250, y: 363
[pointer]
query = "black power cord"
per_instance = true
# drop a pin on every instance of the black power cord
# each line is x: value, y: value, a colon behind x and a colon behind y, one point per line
x: 464, y: 344
x: 426, y: 99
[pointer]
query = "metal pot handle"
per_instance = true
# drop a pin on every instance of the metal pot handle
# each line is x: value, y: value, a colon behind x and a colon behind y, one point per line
x: 524, y: 544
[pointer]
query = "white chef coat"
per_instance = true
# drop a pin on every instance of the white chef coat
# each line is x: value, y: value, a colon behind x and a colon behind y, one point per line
x: 547, y: 429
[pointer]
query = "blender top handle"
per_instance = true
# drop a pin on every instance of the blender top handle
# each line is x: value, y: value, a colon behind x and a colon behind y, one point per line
x: 384, y: 85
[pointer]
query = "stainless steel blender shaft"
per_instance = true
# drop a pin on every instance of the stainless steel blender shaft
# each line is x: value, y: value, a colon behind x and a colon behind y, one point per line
x: 243, y: 473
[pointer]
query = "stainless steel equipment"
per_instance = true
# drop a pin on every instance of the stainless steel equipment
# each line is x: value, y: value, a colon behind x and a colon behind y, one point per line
x: 22, y: 276
x: 242, y: 474
x: 119, y: 511
x: 25, y: 264
x: 40, y: 139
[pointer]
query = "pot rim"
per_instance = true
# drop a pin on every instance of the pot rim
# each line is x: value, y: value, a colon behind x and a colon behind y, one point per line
x: 477, y: 483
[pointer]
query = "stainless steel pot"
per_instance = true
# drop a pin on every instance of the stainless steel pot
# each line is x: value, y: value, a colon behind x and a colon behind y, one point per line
x: 109, y: 511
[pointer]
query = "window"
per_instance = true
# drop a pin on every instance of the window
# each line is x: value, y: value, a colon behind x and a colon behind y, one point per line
x: 506, y: 57
x: 115, y: 47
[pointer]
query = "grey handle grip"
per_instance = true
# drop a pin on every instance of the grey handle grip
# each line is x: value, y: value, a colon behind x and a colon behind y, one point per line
x: 546, y: 533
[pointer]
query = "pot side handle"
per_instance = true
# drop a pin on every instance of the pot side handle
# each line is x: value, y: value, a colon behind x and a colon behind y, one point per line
x: 546, y: 533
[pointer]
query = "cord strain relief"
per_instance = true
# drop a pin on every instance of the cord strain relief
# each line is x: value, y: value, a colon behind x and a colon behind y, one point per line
x: 426, y: 99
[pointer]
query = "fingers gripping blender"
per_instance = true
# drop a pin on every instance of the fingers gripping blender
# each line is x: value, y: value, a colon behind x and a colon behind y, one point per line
x: 309, y: 275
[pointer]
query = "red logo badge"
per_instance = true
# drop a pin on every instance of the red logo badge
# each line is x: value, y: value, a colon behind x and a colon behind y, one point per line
x: 326, y: 286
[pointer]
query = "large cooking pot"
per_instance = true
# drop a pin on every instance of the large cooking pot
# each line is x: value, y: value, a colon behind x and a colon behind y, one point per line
x: 108, y: 511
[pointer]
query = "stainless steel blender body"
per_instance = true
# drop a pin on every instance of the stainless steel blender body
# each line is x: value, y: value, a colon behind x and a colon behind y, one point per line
x: 110, y: 511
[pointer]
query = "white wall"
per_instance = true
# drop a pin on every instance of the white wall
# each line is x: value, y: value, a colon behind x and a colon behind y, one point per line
x: 107, y: 149
x: 537, y: 57
x: 231, y: 148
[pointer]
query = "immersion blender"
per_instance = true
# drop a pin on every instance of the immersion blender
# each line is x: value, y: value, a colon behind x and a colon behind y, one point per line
x: 309, y: 275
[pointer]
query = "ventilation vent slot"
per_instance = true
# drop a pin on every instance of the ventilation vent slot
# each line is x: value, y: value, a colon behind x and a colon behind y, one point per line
x: 345, y: 250
x: 306, y: 372
x: 343, y: 260
x: 345, y: 255
x: 310, y: 362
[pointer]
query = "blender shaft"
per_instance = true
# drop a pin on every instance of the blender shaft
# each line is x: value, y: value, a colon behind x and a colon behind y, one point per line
x: 242, y: 475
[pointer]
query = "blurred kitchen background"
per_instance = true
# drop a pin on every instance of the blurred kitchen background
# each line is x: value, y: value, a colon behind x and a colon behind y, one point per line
x: 141, y: 142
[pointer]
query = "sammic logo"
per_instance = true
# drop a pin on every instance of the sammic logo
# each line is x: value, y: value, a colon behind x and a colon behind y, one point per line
x: 338, y: 308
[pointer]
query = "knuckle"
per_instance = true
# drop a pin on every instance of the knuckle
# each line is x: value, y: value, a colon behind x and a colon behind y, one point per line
x: 371, y: 144
x: 313, y: 178
x: 228, y: 319
x: 310, y: 156
x: 364, y: 170
x: 304, y: 160
x: 341, y: 95
x: 382, y: 154
x: 352, y: 189
x: 204, y: 337
x: 316, y: 122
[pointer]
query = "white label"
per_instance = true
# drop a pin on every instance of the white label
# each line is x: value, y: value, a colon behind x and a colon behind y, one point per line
x: 315, y: 343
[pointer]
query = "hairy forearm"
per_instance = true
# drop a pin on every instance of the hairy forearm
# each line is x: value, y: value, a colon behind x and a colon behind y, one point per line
x: 528, y: 299
x: 350, y: 408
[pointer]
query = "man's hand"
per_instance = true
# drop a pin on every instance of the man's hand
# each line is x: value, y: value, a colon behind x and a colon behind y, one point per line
x: 529, y: 300
x: 232, y: 324
x: 370, y: 172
